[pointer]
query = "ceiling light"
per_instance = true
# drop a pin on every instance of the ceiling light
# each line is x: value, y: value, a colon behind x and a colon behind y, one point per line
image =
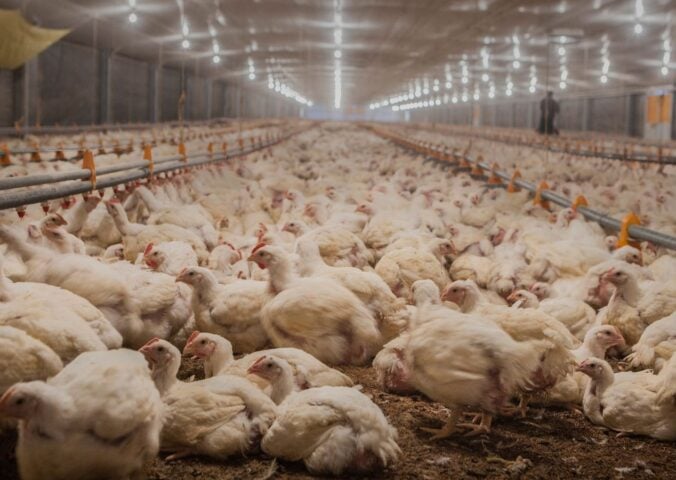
x: 185, y: 44
x: 216, y: 59
x: 426, y: 91
x: 252, y: 76
x: 531, y: 89
x: 465, y: 79
x: 484, y: 77
x: 464, y: 97
x: 435, y: 88
x: 664, y: 70
x: 133, y: 17
x: 562, y: 85
x: 491, y: 94
x: 508, y: 93
x: 476, y: 96
x: 454, y: 99
x: 604, y: 79
x: 337, y: 54
x: 562, y: 51
x: 638, y: 29
x: 216, y: 47
x: 449, y: 85
x: 516, y: 64
x: 437, y: 101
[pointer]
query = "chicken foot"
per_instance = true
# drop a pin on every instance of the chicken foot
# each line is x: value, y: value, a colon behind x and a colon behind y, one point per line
x: 483, y: 427
x: 448, y: 429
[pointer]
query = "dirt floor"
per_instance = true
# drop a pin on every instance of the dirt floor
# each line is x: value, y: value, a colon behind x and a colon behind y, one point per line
x: 552, y: 443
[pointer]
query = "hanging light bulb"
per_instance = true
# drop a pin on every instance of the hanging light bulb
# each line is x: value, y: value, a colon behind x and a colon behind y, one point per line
x: 133, y: 17
x: 185, y: 44
x: 638, y: 29
x: 562, y: 51
x: 664, y: 70
x: 216, y: 59
x: 604, y: 79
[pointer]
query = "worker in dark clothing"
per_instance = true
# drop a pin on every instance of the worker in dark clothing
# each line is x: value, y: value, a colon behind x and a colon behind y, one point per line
x: 549, y: 108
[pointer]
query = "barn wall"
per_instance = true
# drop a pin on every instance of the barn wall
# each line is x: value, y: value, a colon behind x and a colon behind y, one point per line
x: 72, y: 84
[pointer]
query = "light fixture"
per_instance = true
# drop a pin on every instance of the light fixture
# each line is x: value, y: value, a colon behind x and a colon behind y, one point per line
x: 638, y: 29
x: 426, y: 91
x: 476, y: 95
x: 508, y: 93
x: 491, y: 94
x: 604, y: 79
x: 216, y: 47
x: 562, y: 85
x: 664, y: 70
x: 465, y: 80
x: 337, y: 54
x: 531, y: 89
x: 216, y: 59
x: 449, y: 85
x: 454, y: 99
x: 516, y: 64
x: 465, y: 97
x: 133, y: 17
x: 562, y: 51
x: 484, y: 77
x: 185, y: 44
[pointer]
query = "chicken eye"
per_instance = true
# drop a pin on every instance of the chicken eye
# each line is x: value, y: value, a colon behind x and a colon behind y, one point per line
x: 160, y: 349
x: 203, y: 342
x: 191, y: 274
x: 20, y: 401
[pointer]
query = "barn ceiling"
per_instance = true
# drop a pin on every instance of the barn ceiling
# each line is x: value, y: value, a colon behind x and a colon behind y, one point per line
x: 388, y: 49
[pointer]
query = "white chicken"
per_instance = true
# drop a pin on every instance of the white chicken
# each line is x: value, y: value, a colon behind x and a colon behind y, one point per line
x: 136, y: 236
x: 317, y: 315
x: 216, y: 353
x: 218, y: 417
x: 233, y: 311
x: 169, y: 257
x: 656, y: 345
x: 333, y: 430
x: 633, y: 405
x: 77, y: 426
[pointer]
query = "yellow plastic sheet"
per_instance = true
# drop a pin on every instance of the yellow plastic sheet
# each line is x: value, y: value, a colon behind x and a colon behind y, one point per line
x: 20, y: 41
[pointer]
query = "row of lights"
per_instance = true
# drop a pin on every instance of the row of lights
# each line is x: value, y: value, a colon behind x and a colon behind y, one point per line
x: 337, y: 55
x: 287, y: 91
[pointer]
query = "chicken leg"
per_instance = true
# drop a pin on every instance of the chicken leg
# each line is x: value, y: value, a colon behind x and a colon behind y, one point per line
x: 448, y: 429
x: 483, y: 427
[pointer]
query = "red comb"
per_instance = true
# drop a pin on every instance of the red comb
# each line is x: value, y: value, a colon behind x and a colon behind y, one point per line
x: 258, y: 247
x: 192, y: 337
x: 148, y: 249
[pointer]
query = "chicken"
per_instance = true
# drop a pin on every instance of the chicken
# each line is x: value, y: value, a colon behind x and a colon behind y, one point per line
x: 400, y: 268
x: 317, y: 315
x: 337, y: 245
x: 63, y: 304
x: 77, y: 426
x: 218, y: 417
x: 637, y: 407
x: 570, y: 390
x: 216, y: 353
x: 233, y: 311
x: 95, y: 281
x: 163, y: 305
x: 464, y: 361
x: 333, y: 430
x: 23, y: 358
x: 621, y: 310
x: 523, y: 325
x: 577, y: 316
x: 191, y: 217
x: 656, y: 345
x: 388, y: 310
x: 135, y: 236
x: 169, y: 257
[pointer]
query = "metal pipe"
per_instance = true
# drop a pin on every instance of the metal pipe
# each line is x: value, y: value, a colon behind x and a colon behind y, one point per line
x: 38, y: 195
x: 636, y: 232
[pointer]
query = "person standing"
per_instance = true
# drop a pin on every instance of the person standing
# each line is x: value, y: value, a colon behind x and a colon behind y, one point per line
x: 549, y: 108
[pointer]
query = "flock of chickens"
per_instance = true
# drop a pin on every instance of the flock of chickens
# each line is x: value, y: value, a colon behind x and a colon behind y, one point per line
x: 333, y: 248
